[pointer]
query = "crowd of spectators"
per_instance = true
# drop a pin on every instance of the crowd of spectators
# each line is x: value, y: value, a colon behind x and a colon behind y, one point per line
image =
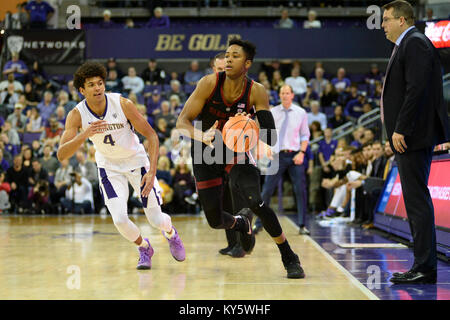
x: 34, y: 105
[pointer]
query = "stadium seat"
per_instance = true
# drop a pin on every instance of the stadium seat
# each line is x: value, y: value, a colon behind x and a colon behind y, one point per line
x: 29, y: 137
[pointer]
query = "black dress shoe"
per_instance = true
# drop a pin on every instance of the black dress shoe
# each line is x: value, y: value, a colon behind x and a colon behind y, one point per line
x: 415, y: 277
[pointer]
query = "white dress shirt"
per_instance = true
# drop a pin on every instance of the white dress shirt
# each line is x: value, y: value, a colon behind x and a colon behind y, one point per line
x: 297, y: 127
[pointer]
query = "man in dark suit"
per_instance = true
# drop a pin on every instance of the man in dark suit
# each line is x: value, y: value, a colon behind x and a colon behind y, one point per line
x: 413, y: 112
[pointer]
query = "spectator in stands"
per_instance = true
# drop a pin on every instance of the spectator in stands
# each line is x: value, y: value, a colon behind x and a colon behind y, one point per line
x: 9, y: 149
x: 174, y: 76
x: 262, y: 76
x: 53, y: 131
x: 4, y: 164
x: 27, y: 154
x: 154, y: 104
x: 32, y: 98
x: 18, y: 87
x: 429, y: 15
x: 368, y: 136
x: 5, y: 189
x: 312, y: 21
x: 111, y: 64
x: 315, y: 115
x: 315, y: 129
x: 338, y: 118
x: 357, y: 136
x: 38, y: 173
x: 17, y: 119
x: 36, y: 149
x: 175, y: 89
x: 153, y: 75
x: 20, y: 19
x: 340, y: 82
x: 354, y: 108
x: 285, y: 22
x: 12, y: 134
x: 39, y: 12
x: 16, y: 67
x: 64, y: 102
x: 37, y: 71
x: 8, y: 100
x: 162, y: 130
x: 79, y: 195
x: 374, y: 76
x: 159, y: 20
x: 297, y: 82
x: 60, y: 115
x: 132, y: 82
x: 46, y: 107
x: 318, y: 83
x: 167, y: 114
x: 308, y: 96
x: 277, y: 81
x: 62, y: 180
x: 163, y: 170
x: 87, y: 169
x: 35, y: 123
x: 273, y: 95
x: 193, y: 75
x: 175, y: 104
x: 286, y: 68
x: 48, y: 161
x: 133, y: 97
x: 329, y: 96
x: 352, y: 94
x: 17, y: 177
x: 327, y: 147
x: 113, y: 83
x: 183, y: 185
x: 367, y: 107
x: 107, y: 23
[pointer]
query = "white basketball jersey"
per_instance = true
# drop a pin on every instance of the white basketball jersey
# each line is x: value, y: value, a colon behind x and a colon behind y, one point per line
x: 118, y: 148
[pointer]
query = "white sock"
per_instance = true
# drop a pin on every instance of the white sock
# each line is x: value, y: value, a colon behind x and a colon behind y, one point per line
x: 170, y: 234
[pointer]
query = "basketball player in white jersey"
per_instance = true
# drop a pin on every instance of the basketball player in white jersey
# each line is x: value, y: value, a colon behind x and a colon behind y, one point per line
x: 109, y: 121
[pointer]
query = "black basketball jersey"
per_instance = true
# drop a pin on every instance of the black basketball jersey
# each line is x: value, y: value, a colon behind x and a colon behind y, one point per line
x: 216, y: 108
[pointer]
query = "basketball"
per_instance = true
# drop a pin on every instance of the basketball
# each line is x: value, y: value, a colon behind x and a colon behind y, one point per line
x: 240, y: 133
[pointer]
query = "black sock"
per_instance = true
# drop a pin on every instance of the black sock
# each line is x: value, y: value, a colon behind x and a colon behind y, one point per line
x: 285, y: 251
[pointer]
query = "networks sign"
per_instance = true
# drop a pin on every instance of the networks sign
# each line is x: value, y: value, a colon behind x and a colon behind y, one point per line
x: 59, y: 45
x: 50, y: 46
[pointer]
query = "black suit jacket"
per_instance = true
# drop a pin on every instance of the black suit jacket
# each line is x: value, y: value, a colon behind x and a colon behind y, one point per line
x: 413, y: 99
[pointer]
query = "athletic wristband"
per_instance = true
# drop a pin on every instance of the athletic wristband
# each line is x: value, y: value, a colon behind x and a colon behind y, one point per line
x: 266, y: 121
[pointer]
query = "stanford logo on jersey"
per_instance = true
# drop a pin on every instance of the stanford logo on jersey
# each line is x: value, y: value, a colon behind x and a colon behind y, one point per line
x: 240, y: 107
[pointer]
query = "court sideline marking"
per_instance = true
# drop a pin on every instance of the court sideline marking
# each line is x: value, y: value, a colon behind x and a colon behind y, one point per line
x: 350, y: 277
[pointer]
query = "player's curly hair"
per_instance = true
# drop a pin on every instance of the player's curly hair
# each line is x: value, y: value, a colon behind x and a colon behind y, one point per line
x: 248, y: 47
x: 88, y: 70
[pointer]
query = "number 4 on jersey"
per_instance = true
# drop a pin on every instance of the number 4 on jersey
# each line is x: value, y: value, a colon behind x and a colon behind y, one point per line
x: 109, y: 140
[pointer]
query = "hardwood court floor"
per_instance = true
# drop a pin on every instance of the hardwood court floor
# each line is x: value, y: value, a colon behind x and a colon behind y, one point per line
x: 84, y: 257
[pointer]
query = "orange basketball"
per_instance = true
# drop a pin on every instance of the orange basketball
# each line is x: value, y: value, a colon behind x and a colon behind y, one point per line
x: 240, y: 133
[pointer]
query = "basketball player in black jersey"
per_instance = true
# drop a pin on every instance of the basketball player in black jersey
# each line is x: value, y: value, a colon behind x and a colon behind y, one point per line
x: 216, y: 98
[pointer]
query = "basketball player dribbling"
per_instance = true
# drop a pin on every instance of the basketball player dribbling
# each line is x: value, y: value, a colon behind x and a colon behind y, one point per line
x: 216, y: 98
x: 109, y: 121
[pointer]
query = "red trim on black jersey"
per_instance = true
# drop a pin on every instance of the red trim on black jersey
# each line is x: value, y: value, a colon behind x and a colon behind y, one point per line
x: 209, y: 183
x: 248, y: 98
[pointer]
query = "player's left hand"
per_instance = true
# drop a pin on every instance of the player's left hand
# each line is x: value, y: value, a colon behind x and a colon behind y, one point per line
x: 399, y: 142
x: 147, y: 181
x: 298, y: 159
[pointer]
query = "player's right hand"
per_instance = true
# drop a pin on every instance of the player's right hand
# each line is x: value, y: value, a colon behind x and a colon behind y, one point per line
x: 96, y: 127
x: 208, y: 135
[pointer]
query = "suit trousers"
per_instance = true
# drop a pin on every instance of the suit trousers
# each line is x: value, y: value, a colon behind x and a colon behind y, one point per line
x: 414, y: 170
